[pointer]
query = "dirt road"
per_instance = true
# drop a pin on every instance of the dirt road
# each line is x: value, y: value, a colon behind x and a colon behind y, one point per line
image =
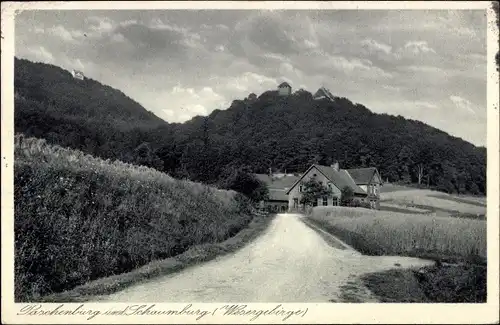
x: 290, y: 262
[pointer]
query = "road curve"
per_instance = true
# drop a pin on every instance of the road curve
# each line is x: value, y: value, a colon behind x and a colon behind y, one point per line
x: 290, y: 262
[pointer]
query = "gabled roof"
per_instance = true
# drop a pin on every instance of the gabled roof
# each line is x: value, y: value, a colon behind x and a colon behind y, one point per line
x: 362, y: 175
x: 339, y: 178
x: 281, y: 183
x: 278, y: 195
x: 284, y: 84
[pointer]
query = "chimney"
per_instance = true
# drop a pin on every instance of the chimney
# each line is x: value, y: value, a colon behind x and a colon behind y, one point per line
x: 336, y: 166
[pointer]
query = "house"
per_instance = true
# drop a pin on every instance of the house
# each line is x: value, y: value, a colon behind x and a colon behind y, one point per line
x: 331, y: 176
x: 370, y: 181
x: 277, y: 184
x: 323, y: 93
x: 284, y: 89
x: 77, y: 74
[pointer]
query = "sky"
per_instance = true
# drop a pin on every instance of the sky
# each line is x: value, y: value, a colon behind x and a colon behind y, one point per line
x: 428, y: 65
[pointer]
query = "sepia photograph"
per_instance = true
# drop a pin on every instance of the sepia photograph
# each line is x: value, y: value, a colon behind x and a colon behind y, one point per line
x: 262, y: 155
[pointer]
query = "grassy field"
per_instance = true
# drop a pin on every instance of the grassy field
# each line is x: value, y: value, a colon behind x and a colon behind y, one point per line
x: 398, y: 198
x: 80, y: 218
x: 391, y: 233
x: 458, y: 246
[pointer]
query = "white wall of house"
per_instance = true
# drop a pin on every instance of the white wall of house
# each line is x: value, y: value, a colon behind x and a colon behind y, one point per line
x: 374, y: 187
x: 295, y: 192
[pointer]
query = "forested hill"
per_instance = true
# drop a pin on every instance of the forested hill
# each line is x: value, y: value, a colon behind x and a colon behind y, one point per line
x: 291, y: 133
x: 254, y: 135
x: 82, y: 114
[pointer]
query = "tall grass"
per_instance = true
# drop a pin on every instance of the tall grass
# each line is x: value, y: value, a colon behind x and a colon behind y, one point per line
x: 78, y: 218
x: 389, y: 233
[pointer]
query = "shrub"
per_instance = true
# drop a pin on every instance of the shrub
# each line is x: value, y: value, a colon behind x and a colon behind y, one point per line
x: 78, y: 218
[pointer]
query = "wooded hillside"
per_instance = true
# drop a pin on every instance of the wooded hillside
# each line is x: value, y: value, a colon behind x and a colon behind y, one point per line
x: 251, y: 135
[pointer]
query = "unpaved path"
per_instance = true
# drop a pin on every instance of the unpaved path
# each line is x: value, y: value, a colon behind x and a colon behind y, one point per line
x: 290, y: 262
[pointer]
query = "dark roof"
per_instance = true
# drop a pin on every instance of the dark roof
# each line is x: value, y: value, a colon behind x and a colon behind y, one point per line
x: 323, y: 92
x: 340, y: 178
x: 281, y: 183
x: 278, y: 195
x: 362, y: 175
x: 284, y: 84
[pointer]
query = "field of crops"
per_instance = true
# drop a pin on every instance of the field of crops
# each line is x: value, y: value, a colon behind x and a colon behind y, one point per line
x: 390, y: 233
x: 78, y: 218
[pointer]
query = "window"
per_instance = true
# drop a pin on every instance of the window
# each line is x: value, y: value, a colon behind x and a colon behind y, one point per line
x: 300, y: 188
x: 295, y: 203
x: 335, y: 201
x: 325, y: 201
x: 314, y: 175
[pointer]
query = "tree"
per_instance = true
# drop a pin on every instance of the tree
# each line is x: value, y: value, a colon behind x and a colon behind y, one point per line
x: 242, y: 181
x: 347, y: 196
x: 405, y: 161
x: 144, y: 155
x: 312, y: 190
x: 420, y: 173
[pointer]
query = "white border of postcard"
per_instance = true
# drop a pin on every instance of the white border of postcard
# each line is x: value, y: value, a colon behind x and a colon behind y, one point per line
x: 341, y: 313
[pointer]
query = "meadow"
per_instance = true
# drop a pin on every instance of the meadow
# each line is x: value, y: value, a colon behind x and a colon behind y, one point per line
x: 80, y: 218
x: 457, y: 244
x: 376, y: 232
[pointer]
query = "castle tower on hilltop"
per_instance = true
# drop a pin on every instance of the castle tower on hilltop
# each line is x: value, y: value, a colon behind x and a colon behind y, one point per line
x: 77, y: 74
x: 284, y: 89
x: 323, y: 93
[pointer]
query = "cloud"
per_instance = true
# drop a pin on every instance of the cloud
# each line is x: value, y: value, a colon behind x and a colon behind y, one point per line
x: 251, y: 82
x: 418, y: 47
x: 41, y: 54
x: 392, y: 88
x: 100, y: 24
x: 186, y: 102
x: 354, y: 67
x: 65, y: 34
x: 375, y: 46
x: 425, y: 104
x: 463, y: 104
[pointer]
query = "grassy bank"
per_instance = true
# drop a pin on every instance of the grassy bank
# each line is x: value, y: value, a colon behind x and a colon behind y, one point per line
x: 79, y: 218
x: 194, y: 255
x: 457, y: 245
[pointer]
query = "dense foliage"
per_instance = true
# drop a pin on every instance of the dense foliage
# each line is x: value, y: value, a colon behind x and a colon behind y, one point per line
x: 79, y: 218
x: 312, y: 191
x: 256, y: 133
